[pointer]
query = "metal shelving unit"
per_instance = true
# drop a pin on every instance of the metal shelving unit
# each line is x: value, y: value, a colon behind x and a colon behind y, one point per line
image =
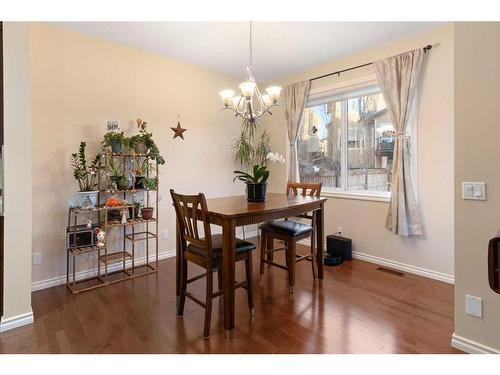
x: 133, y: 231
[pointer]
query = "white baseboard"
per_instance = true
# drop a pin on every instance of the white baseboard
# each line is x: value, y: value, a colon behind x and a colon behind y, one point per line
x: 16, y: 321
x: 450, y: 279
x: 469, y: 346
x: 61, y: 280
x: 397, y: 265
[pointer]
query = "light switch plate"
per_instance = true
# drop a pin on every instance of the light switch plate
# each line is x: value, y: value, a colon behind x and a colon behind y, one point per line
x: 474, y: 306
x: 474, y: 191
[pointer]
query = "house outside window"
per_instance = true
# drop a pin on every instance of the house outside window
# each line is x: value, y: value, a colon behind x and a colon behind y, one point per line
x: 346, y: 141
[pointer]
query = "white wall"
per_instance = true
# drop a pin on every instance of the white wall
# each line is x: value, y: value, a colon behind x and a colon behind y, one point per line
x: 17, y: 175
x: 79, y: 83
x: 477, y: 154
x: 364, y: 221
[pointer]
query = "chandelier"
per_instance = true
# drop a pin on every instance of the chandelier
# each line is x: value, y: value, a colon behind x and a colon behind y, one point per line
x: 251, y: 104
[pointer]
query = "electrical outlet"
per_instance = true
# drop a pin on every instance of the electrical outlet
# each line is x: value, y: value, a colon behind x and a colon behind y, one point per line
x: 339, y: 229
x: 164, y: 235
x: 474, y: 306
x: 37, y: 258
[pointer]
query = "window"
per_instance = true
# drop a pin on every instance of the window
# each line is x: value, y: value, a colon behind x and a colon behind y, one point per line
x: 346, y: 141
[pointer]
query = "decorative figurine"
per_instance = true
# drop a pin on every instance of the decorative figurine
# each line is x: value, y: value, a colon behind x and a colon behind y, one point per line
x: 123, y: 214
x: 89, y: 223
x: 101, y: 237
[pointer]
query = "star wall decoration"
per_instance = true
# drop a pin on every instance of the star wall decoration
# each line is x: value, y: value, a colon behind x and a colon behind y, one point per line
x: 178, y: 130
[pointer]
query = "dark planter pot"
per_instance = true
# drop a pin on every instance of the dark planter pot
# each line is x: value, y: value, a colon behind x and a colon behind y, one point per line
x: 122, y: 184
x: 256, y: 192
x: 138, y: 182
x: 147, y: 213
x: 116, y: 147
x: 141, y: 148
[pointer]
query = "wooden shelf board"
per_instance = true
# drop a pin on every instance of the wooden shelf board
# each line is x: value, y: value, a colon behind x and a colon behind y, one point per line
x: 84, y: 250
x: 118, y: 256
x: 140, y: 236
x: 129, y: 222
x: 112, y: 191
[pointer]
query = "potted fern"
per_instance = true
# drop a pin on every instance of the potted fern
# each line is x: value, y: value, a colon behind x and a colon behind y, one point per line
x: 86, y: 175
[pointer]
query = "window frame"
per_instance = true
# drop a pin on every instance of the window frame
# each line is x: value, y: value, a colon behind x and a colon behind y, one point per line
x: 340, y: 90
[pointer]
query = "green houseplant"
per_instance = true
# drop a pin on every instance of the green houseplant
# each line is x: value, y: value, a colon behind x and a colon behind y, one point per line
x: 251, y: 146
x: 117, y: 175
x: 86, y: 175
x: 256, y: 182
x: 114, y: 139
x: 143, y: 143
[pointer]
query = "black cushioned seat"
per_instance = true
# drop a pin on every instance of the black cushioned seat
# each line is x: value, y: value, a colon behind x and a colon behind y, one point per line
x: 241, y: 246
x: 287, y: 227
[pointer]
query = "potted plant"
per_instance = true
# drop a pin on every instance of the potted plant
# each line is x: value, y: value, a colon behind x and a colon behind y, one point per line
x: 86, y: 175
x: 115, y: 140
x: 141, y: 172
x: 117, y: 175
x: 256, y: 182
x: 147, y: 213
x: 135, y: 210
x: 143, y: 143
x: 150, y: 183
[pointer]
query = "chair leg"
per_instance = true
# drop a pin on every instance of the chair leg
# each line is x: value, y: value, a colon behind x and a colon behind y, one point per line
x: 263, y: 240
x: 270, y: 246
x: 249, y: 274
x: 183, y: 287
x: 208, y: 302
x: 313, y: 256
x: 219, y: 281
x: 291, y: 265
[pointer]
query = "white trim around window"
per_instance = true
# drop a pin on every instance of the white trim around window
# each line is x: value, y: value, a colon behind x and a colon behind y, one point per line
x: 352, y: 88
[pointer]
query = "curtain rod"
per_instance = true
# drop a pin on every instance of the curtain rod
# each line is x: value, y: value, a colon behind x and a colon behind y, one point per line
x: 426, y: 48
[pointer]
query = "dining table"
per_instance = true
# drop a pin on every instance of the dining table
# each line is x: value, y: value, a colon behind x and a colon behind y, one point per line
x: 235, y: 211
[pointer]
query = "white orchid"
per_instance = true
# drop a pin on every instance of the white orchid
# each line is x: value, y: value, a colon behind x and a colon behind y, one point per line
x: 275, y: 158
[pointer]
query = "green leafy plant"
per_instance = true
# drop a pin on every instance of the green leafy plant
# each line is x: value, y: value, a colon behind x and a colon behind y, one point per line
x: 115, y: 173
x: 251, y: 146
x: 259, y: 174
x: 144, y: 168
x: 85, y: 174
x: 113, y: 137
x: 147, y: 138
x: 150, y: 183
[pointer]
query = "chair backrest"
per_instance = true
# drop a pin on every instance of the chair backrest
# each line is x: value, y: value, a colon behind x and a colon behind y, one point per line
x: 190, y: 211
x: 304, y: 189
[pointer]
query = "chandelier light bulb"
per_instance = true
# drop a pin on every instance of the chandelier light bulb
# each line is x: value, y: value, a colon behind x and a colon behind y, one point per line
x: 247, y: 89
x: 238, y: 102
x: 267, y: 100
x: 227, y: 97
x: 274, y: 93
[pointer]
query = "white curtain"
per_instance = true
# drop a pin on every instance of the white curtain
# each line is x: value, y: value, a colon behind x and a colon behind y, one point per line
x: 293, y: 101
x: 398, y: 77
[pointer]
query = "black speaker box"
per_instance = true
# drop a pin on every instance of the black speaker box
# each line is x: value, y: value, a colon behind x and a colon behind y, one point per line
x: 336, y: 245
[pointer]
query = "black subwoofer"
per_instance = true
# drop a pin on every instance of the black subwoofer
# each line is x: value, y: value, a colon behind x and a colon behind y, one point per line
x: 338, y: 249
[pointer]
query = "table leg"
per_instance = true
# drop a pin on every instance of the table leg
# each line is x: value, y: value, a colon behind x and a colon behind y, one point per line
x: 228, y: 259
x: 320, y: 222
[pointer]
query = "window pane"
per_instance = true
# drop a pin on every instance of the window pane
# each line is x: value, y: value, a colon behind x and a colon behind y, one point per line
x: 319, y: 144
x: 370, y: 143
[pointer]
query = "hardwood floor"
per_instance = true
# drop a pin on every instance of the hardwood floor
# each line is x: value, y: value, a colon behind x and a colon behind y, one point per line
x: 358, y: 309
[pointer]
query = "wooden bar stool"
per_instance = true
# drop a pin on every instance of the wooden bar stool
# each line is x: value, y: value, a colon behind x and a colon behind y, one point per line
x: 206, y: 252
x: 290, y: 232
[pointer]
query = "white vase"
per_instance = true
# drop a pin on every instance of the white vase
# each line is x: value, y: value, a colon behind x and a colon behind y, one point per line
x: 88, y: 199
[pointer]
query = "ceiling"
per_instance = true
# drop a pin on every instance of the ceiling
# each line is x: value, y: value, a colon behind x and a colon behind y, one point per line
x: 280, y: 48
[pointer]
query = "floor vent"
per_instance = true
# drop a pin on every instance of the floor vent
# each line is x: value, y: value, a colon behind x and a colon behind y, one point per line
x: 392, y: 272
